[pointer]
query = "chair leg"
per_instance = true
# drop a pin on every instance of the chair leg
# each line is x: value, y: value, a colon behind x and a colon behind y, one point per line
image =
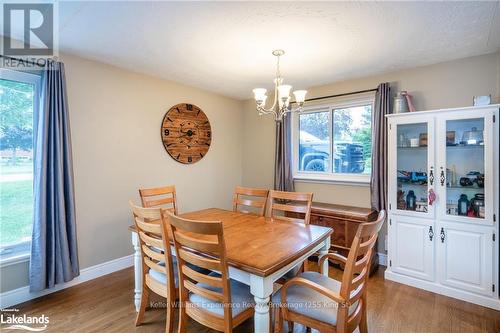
x: 363, y: 324
x: 278, y: 322
x: 290, y: 326
x: 142, y: 308
x: 305, y: 266
x: 169, y: 320
x: 182, y: 318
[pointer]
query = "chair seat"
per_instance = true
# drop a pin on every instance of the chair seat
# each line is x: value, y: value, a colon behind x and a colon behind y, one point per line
x: 240, y: 297
x: 162, y: 278
x: 311, y: 303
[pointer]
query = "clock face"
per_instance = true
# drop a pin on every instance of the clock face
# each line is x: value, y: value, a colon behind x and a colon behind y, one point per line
x: 186, y: 133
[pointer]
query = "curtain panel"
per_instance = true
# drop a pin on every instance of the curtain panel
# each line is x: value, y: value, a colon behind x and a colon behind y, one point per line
x: 283, y: 177
x: 54, y: 256
x: 378, y: 183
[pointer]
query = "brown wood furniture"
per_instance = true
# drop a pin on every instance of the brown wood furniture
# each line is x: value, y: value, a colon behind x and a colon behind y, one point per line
x: 291, y: 202
x: 250, y: 239
x: 259, y: 250
x: 207, y: 298
x: 159, y: 197
x: 311, y: 293
x: 158, y: 273
x: 295, y: 206
x: 345, y: 221
x: 242, y: 198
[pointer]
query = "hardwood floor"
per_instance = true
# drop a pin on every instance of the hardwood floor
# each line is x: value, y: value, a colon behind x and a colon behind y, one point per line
x: 106, y: 305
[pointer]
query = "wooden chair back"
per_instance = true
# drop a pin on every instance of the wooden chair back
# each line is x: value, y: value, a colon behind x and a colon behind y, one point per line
x: 159, y: 197
x: 298, y: 203
x: 201, y: 243
x: 356, y: 272
x: 155, y: 249
x: 241, y: 200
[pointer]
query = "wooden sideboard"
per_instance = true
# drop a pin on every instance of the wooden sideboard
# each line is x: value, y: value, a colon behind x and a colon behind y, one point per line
x: 345, y: 221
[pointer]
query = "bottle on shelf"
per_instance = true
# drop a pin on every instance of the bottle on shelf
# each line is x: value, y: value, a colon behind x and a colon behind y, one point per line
x: 411, y: 200
x: 463, y: 205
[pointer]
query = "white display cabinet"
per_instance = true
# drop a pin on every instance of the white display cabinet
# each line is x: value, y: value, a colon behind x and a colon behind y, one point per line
x: 443, y: 193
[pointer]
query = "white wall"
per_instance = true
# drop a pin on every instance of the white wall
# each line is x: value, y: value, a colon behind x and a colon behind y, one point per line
x: 444, y: 85
x: 115, y: 119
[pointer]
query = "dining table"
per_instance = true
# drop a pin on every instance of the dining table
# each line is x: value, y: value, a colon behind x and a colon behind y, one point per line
x: 260, y: 250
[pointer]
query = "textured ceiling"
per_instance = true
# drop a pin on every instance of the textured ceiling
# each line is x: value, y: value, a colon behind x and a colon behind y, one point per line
x: 226, y: 47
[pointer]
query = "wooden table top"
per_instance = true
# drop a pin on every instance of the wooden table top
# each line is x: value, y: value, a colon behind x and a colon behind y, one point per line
x: 261, y: 245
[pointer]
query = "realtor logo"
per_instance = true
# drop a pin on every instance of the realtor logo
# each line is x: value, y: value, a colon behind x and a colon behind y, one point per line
x: 28, y: 29
x: 11, y: 320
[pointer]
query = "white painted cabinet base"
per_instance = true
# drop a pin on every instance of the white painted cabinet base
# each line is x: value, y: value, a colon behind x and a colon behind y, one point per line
x: 443, y: 290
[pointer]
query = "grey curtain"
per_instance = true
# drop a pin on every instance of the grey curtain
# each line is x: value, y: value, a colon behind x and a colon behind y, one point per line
x: 54, y: 248
x: 378, y: 183
x: 283, y: 178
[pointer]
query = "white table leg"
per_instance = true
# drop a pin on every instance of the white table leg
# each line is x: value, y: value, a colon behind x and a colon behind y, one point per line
x: 137, y: 271
x: 322, y: 251
x: 261, y: 288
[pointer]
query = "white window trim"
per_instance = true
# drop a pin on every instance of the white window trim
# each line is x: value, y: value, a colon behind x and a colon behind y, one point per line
x: 328, y: 177
x: 34, y: 79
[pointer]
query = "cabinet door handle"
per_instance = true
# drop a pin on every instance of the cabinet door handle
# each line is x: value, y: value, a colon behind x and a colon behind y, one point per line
x: 442, y: 235
x: 431, y: 233
x: 442, y: 178
x: 431, y: 176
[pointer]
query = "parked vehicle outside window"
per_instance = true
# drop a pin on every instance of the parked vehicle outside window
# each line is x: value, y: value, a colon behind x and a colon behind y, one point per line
x: 350, y: 150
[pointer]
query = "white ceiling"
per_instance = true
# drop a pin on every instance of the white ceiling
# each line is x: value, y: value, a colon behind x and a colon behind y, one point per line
x: 226, y: 47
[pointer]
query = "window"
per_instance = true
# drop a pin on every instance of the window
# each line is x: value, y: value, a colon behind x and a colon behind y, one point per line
x: 18, y: 103
x: 333, y: 142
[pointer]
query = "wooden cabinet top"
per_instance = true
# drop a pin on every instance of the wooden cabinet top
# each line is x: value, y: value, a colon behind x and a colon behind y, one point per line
x: 344, y: 212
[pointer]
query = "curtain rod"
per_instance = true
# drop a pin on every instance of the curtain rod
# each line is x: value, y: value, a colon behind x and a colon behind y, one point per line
x: 339, y: 95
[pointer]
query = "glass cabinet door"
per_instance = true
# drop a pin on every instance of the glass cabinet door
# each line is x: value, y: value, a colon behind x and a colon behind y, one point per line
x: 465, y: 167
x: 414, y: 167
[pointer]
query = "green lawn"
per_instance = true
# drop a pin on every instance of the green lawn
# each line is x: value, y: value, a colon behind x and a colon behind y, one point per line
x: 16, y: 211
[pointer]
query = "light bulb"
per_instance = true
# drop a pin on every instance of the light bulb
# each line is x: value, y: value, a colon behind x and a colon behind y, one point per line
x: 284, y: 91
x: 260, y: 95
x: 263, y: 101
x: 300, y: 96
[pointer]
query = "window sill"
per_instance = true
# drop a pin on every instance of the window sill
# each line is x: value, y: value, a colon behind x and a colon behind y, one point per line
x: 15, y: 259
x: 15, y: 253
x: 321, y: 179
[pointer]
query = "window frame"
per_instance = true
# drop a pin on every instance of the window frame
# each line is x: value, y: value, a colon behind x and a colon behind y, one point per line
x: 20, y: 252
x: 321, y: 176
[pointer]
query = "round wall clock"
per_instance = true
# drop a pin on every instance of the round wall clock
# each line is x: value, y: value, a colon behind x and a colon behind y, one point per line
x: 186, y: 133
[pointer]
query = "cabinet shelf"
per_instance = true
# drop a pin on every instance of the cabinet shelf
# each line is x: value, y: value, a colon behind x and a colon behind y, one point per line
x: 469, y: 188
x: 462, y: 147
x: 451, y: 147
x: 413, y: 148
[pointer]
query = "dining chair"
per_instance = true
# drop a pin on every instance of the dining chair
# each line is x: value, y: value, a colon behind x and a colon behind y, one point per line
x: 242, y: 202
x: 298, y: 206
x: 342, y: 303
x: 159, y: 197
x: 159, y: 268
x: 212, y: 300
x: 297, y: 203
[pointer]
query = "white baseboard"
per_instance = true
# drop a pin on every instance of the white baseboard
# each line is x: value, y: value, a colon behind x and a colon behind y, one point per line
x: 382, y: 259
x: 20, y: 295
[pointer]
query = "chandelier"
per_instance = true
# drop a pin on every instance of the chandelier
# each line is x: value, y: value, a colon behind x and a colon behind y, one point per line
x: 281, y: 103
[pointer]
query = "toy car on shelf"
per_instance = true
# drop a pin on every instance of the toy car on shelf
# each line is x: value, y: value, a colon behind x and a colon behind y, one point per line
x: 412, y: 177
